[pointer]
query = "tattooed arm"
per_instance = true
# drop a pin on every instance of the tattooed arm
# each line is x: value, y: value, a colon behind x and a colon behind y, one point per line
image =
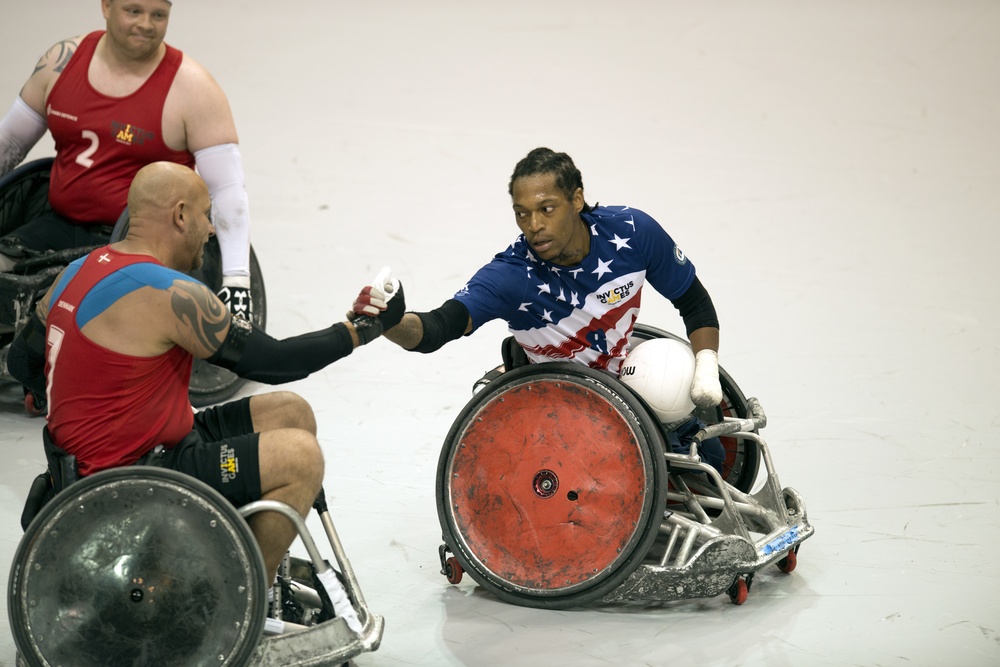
x: 207, y: 330
x: 201, y: 320
x: 47, y: 70
x: 25, y: 123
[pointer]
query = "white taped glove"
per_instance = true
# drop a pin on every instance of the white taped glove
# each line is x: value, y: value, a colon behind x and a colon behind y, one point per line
x: 386, y: 283
x: 375, y: 298
x: 706, y: 391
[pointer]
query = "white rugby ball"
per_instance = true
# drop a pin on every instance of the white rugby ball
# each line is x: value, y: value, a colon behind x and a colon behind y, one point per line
x: 661, y: 370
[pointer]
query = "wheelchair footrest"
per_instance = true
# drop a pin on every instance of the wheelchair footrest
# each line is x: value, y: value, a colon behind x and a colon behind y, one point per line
x: 709, y: 572
x: 329, y: 643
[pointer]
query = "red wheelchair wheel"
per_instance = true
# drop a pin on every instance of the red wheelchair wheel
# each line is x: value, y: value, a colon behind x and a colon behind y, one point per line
x: 551, y: 486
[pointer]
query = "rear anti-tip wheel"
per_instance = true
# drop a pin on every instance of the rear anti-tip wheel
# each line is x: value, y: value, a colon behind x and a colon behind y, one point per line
x: 453, y: 570
x: 788, y: 563
x: 739, y: 591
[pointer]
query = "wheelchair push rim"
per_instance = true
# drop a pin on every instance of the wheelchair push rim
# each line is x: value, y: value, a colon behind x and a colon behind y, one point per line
x: 550, y: 486
x: 137, y: 566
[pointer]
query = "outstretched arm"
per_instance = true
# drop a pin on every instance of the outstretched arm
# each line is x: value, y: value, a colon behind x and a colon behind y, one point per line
x: 205, y: 328
x: 428, y: 332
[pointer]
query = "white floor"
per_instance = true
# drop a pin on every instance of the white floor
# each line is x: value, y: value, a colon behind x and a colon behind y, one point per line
x: 831, y: 167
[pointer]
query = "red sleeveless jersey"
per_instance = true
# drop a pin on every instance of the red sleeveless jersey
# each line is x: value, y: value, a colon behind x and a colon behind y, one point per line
x: 106, y: 408
x: 102, y: 141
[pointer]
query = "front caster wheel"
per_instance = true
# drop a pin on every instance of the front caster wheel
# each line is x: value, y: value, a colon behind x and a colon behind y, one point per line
x: 453, y: 570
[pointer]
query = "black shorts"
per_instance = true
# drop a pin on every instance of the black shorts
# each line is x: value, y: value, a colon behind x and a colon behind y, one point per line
x: 222, y: 452
x: 54, y: 232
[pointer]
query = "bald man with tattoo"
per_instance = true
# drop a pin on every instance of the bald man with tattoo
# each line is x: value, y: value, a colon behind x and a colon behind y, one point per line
x: 112, y: 343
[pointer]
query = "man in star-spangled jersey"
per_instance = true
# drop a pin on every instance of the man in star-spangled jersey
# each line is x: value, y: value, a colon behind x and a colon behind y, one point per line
x: 582, y: 313
x: 571, y: 284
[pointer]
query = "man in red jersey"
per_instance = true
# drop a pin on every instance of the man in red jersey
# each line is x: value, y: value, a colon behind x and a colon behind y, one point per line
x: 116, y: 334
x: 114, y: 101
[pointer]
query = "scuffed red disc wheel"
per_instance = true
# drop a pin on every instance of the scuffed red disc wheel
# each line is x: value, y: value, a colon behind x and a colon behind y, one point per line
x: 549, y: 486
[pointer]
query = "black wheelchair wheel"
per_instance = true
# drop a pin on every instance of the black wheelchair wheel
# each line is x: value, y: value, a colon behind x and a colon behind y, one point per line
x: 551, y: 485
x: 211, y: 384
x: 24, y: 194
x: 742, y: 456
x: 137, y: 565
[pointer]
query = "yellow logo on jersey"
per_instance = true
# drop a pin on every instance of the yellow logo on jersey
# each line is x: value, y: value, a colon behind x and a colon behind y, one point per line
x: 126, y: 133
x: 616, y: 294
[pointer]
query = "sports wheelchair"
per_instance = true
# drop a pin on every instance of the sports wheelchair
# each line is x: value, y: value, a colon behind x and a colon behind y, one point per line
x: 148, y: 566
x: 555, y: 490
x: 24, y: 196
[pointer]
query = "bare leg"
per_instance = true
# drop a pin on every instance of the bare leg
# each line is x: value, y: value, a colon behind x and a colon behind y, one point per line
x: 291, y: 469
x: 281, y: 409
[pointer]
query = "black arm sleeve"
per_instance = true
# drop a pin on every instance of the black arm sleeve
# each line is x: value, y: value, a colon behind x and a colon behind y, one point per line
x: 26, y: 356
x: 696, y: 307
x: 442, y: 325
x: 254, y: 355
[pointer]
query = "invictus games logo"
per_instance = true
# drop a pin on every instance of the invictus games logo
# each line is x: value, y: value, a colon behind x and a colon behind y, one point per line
x: 126, y: 133
x: 616, y: 294
x: 228, y: 463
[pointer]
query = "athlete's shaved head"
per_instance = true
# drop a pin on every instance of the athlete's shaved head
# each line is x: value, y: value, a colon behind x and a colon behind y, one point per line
x: 170, y: 211
x: 161, y: 185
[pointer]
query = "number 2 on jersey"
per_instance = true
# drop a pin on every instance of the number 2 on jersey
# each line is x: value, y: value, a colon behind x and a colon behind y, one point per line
x: 83, y: 158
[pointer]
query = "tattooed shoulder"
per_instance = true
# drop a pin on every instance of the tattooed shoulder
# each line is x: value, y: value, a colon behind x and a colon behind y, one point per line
x: 57, y: 56
x: 199, y: 313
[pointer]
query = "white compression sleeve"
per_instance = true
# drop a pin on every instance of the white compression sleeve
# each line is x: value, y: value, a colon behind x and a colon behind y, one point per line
x: 221, y: 167
x: 20, y: 130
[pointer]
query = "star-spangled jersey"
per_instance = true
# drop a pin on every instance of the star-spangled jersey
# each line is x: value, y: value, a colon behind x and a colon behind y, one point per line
x: 581, y: 313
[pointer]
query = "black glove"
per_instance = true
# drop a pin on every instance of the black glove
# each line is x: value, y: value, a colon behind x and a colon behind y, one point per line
x: 236, y: 295
x: 378, y: 307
